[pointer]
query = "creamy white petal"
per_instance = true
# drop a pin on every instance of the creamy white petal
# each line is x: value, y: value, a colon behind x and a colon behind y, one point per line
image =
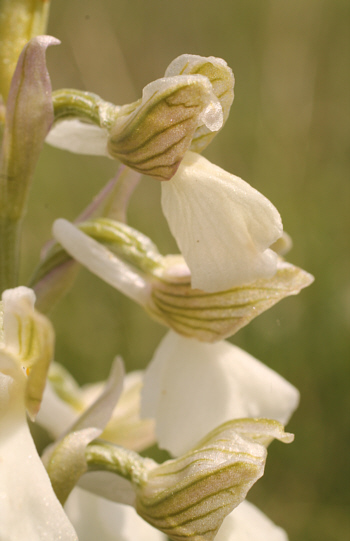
x: 222, y: 225
x: 191, y: 387
x: 55, y: 415
x: 96, y: 518
x: 100, y: 261
x: 247, y: 523
x: 79, y: 137
x: 29, y: 508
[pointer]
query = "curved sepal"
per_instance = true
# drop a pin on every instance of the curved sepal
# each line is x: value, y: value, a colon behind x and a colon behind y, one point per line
x: 152, y: 136
x: 222, y: 80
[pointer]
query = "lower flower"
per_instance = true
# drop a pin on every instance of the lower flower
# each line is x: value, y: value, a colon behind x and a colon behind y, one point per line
x: 29, y: 508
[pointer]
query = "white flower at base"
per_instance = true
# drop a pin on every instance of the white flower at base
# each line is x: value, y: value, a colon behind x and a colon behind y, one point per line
x: 29, y: 508
x: 96, y: 518
x: 222, y: 225
x: 247, y: 523
x: 192, y: 387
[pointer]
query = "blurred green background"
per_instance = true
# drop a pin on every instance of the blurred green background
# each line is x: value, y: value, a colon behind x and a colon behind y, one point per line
x: 287, y: 135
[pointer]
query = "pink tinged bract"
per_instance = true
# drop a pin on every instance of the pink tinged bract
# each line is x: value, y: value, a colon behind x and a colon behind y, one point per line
x: 29, y: 116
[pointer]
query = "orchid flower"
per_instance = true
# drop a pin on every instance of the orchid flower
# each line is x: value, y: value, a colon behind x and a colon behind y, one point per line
x: 26, y: 347
x: 216, y: 382
x: 190, y: 496
x: 247, y: 375
x: 223, y: 227
x: 130, y: 262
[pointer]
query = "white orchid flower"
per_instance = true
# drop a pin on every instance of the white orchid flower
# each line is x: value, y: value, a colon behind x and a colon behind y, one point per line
x: 29, y: 508
x: 130, y: 262
x: 222, y: 225
x: 191, y: 387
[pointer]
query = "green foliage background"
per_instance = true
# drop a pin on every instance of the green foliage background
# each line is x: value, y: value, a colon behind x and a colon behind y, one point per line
x: 287, y: 136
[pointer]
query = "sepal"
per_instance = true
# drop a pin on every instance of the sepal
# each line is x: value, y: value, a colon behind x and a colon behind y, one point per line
x: 222, y: 80
x: 153, y: 136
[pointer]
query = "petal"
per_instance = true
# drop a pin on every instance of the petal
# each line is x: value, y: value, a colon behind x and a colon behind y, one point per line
x: 29, y: 508
x: 222, y: 225
x: 191, y: 387
x: 125, y: 426
x: 55, y: 415
x: 100, y: 411
x: 96, y: 518
x: 79, y: 137
x: 100, y: 261
x: 247, y: 523
x: 65, y: 459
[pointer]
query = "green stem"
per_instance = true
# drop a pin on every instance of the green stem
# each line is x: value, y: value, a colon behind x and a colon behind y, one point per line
x: 104, y: 456
x: 9, y: 252
x: 70, y: 103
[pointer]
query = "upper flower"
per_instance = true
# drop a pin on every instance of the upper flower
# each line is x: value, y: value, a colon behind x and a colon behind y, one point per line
x: 223, y: 226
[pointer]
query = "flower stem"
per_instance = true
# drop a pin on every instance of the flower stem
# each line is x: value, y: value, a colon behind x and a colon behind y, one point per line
x: 10, y: 230
x: 70, y: 103
x: 104, y: 456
